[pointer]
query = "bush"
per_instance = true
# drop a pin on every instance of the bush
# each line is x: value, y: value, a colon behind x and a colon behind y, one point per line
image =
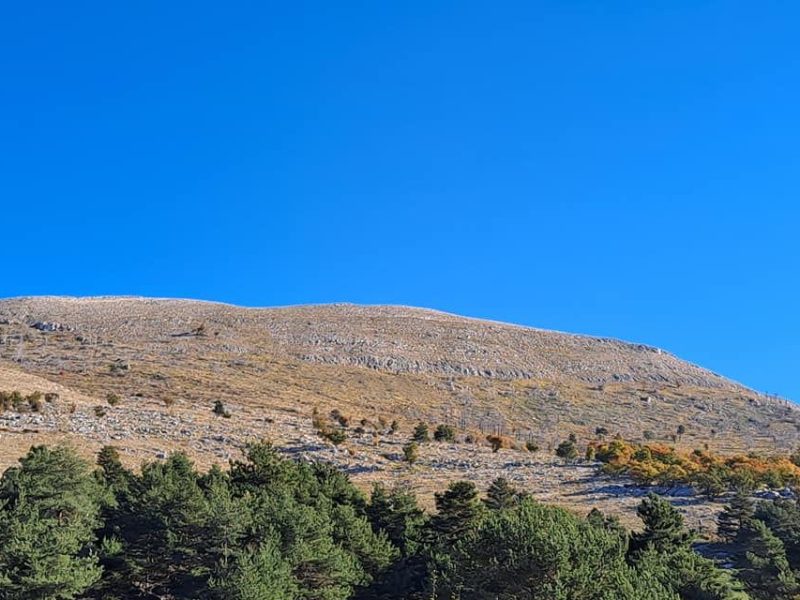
x: 531, y: 446
x: 113, y: 399
x: 567, y: 451
x: 444, y: 433
x: 421, y: 434
x: 411, y: 452
x: 220, y: 410
x: 335, y: 436
x: 35, y: 402
x: 498, y: 442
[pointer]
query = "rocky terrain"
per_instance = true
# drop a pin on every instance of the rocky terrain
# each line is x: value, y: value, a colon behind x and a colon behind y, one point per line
x: 144, y: 374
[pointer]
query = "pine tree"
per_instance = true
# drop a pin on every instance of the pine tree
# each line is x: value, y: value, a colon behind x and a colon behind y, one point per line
x: 258, y: 574
x: 49, y: 509
x: 113, y: 473
x: 764, y: 567
x: 567, y: 451
x: 397, y: 514
x: 411, y: 452
x: 533, y: 551
x: 444, y: 433
x: 458, y: 510
x: 735, y: 515
x: 421, y: 433
x: 501, y: 494
x: 664, y: 530
x: 690, y: 576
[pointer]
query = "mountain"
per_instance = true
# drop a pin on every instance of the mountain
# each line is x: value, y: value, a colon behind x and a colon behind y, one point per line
x: 164, y: 363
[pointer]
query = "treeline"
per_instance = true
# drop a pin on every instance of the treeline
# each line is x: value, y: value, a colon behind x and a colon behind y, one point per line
x: 272, y: 528
x: 712, y: 474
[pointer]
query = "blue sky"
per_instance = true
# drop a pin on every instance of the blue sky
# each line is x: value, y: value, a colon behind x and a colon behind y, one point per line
x: 627, y: 169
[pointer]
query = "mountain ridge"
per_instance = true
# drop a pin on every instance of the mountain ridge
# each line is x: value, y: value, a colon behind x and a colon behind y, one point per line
x: 516, y: 366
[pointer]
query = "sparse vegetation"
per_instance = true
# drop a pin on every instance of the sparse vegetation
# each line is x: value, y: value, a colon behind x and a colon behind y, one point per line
x: 411, y: 452
x: 18, y: 402
x: 444, y: 433
x: 498, y: 442
x: 531, y: 446
x: 335, y: 436
x: 567, y: 451
x: 421, y: 433
x: 220, y: 409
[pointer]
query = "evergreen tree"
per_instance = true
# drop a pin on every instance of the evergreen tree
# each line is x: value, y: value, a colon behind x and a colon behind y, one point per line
x: 567, y: 451
x: 735, y: 515
x: 664, y: 530
x: 49, y: 509
x: 689, y: 575
x: 421, y: 433
x: 160, y: 520
x: 259, y: 574
x: 782, y: 517
x: 458, y: 510
x: 608, y: 522
x: 764, y: 567
x: 501, y: 494
x: 533, y: 552
x: 411, y: 452
x: 113, y: 473
x: 444, y: 433
x: 397, y: 514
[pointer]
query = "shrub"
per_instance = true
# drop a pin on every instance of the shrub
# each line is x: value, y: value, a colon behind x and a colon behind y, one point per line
x: 421, y: 433
x: 531, y: 446
x: 411, y: 452
x: 119, y: 367
x: 337, y: 416
x: 35, y: 402
x: 99, y: 412
x: 497, y: 442
x: 113, y: 399
x: 335, y: 436
x: 51, y: 397
x: 444, y: 433
x: 567, y: 451
x: 220, y: 410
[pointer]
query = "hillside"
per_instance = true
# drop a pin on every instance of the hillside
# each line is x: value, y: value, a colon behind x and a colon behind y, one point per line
x: 169, y: 360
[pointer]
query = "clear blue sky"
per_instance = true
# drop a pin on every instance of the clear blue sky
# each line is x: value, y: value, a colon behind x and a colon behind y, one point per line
x: 628, y: 168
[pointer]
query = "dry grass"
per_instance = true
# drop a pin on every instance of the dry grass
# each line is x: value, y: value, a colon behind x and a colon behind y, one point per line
x: 271, y: 367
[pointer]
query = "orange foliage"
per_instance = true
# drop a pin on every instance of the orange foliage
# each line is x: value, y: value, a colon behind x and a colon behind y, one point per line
x: 664, y: 465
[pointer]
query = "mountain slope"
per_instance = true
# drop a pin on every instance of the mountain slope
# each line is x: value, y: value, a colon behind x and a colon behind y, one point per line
x: 143, y: 374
